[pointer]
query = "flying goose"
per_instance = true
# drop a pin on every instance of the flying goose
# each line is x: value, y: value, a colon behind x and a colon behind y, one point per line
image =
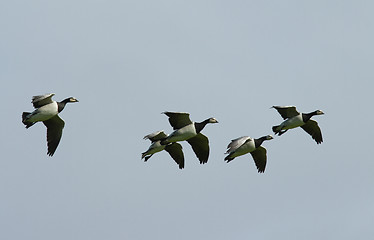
x: 46, y: 111
x: 174, y: 149
x: 295, y: 119
x: 186, y: 130
x: 244, y: 145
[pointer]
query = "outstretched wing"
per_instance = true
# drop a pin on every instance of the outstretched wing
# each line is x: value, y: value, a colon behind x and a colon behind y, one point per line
x: 237, y: 142
x: 54, y: 132
x: 259, y: 156
x: 312, y: 128
x: 200, y: 145
x: 41, y: 100
x: 178, y: 119
x: 287, y: 111
x: 153, y: 137
x: 175, y: 151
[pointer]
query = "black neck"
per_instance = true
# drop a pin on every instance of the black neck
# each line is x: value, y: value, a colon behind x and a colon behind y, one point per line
x: 307, y: 116
x: 200, y: 126
x: 61, y: 105
x: 259, y: 141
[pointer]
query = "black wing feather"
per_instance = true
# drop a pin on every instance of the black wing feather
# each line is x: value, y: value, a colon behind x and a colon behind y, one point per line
x: 41, y: 100
x: 178, y: 119
x: 200, y: 145
x: 175, y: 151
x: 54, y: 133
x: 287, y: 112
x: 312, y: 128
x: 259, y: 156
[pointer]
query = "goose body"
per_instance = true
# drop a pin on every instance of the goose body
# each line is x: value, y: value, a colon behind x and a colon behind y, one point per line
x: 293, y: 119
x: 154, y: 148
x: 46, y: 111
x: 43, y: 113
x: 290, y: 123
x: 186, y: 130
x: 243, y: 145
x: 183, y: 133
x: 174, y: 149
x: 239, y: 147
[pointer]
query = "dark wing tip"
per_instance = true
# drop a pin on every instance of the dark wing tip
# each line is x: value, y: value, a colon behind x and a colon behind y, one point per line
x: 260, y: 158
x: 50, y: 153
x: 312, y: 128
x: 54, y: 133
x: 200, y: 145
x: 175, y: 150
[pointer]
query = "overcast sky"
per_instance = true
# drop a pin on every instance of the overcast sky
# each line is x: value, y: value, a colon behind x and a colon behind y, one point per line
x: 128, y: 61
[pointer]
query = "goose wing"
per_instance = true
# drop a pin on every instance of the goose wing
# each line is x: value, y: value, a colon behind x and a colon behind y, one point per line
x: 178, y: 119
x: 41, y: 100
x: 287, y: 111
x: 153, y: 137
x: 54, y: 132
x: 312, y: 128
x: 200, y: 145
x: 236, y: 143
x: 175, y: 151
x: 259, y: 156
x: 147, y: 157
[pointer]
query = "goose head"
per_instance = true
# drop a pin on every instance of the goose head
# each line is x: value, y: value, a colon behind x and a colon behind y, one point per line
x: 212, y: 120
x: 72, y: 99
x: 268, y: 137
x: 319, y: 112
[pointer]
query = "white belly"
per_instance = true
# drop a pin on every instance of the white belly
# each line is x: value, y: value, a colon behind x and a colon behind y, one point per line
x: 244, y: 149
x: 44, y: 113
x: 294, y: 122
x: 154, y: 148
x: 182, y: 134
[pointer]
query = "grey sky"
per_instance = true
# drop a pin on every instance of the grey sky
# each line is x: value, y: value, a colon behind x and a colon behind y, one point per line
x: 128, y: 61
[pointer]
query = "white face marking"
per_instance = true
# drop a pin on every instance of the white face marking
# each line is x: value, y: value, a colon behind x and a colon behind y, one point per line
x: 213, y: 120
x: 269, y: 137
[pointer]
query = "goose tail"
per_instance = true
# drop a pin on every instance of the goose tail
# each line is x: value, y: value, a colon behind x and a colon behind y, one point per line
x: 25, y: 118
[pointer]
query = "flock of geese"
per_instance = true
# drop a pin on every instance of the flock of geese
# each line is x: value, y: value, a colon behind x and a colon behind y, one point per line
x: 47, y: 110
